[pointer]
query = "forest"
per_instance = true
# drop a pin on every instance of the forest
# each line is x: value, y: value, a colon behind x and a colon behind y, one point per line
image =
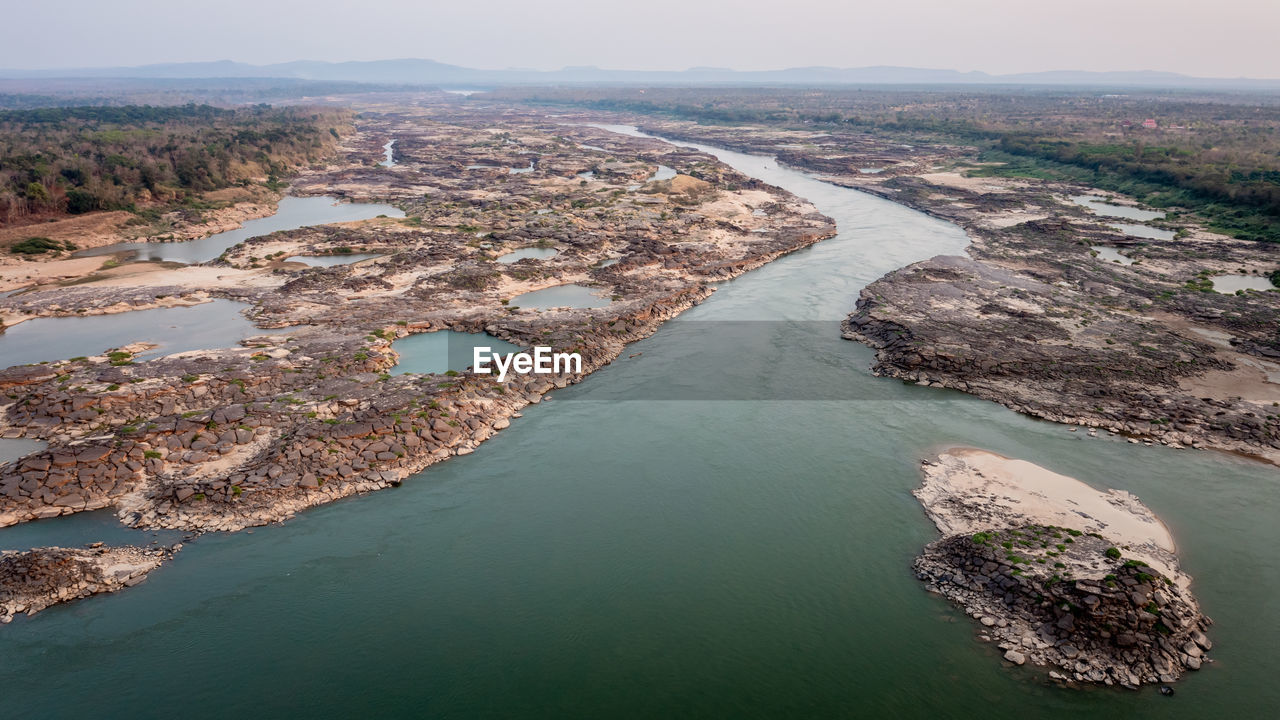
x: 72, y: 160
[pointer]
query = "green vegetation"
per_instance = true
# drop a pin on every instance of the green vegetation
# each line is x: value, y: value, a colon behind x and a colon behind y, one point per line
x: 39, y: 245
x: 140, y: 158
x: 1113, y: 553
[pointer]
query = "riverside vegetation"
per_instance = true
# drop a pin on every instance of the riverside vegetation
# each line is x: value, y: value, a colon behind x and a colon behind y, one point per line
x: 144, y: 159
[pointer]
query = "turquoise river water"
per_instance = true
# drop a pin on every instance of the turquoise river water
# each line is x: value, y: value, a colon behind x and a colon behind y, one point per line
x: 646, y: 545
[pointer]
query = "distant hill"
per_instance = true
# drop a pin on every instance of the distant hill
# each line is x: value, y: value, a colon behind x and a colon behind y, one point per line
x: 430, y: 72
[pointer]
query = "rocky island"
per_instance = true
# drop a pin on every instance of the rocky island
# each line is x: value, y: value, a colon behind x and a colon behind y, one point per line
x: 1058, y: 574
x: 33, y: 580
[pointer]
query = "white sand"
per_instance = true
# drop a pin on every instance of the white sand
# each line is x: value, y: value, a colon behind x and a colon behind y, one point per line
x: 966, y: 490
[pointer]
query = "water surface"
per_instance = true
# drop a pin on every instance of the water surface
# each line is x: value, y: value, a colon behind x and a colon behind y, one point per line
x: 571, y: 295
x: 81, y: 529
x: 663, y: 173
x: 332, y: 260
x: 215, y: 324
x: 14, y: 448
x: 1102, y: 207
x: 1232, y: 283
x: 292, y: 213
x: 444, y: 350
x: 533, y: 252
x: 1111, y: 254
x: 618, y: 555
x: 1142, y: 231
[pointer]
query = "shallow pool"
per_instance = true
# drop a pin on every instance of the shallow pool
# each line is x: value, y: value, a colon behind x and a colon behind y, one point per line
x: 1100, y: 206
x: 522, y: 253
x: 332, y: 260
x: 1142, y: 231
x: 572, y: 295
x: 293, y: 213
x: 215, y: 324
x: 444, y: 350
x: 1229, y: 284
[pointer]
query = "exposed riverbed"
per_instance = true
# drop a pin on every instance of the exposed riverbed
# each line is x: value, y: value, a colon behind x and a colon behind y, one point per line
x: 636, y: 548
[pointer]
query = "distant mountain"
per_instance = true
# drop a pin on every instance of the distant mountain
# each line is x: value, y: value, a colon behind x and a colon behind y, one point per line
x: 430, y: 72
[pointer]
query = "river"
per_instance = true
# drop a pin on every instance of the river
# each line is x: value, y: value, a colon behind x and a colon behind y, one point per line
x: 646, y: 545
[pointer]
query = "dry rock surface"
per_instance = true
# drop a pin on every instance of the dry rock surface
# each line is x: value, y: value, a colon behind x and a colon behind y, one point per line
x: 220, y: 440
x: 1055, y: 311
x: 1058, y: 574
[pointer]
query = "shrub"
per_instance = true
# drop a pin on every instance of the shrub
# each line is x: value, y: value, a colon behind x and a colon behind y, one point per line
x: 36, y: 246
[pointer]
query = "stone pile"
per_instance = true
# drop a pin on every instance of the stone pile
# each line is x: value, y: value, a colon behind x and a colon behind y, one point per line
x: 1123, y: 624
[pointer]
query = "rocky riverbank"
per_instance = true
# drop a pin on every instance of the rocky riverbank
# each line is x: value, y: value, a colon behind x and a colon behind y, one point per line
x: 223, y: 210
x: 225, y: 439
x: 1056, y: 311
x: 1058, y: 574
x: 33, y: 580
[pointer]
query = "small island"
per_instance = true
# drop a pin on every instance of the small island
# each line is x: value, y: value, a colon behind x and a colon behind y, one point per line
x: 35, y: 579
x: 1058, y: 574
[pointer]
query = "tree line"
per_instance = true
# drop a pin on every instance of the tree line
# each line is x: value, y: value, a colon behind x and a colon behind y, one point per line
x: 71, y: 160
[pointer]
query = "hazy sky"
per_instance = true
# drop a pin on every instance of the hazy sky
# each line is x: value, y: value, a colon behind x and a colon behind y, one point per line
x: 1223, y: 38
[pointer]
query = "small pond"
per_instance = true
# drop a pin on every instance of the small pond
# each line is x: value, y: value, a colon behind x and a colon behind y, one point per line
x: 1102, y: 207
x: 1111, y: 254
x: 215, y: 324
x: 332, y: 260
x: 522, y: 253
x: 1142, y: 231
x: 292, y: 213
x: 81, y: 529
x: 13, y: 448
x: 1229, y: 284
x: 572, y: 296
x: 444, y: 350
x: 663, y: 173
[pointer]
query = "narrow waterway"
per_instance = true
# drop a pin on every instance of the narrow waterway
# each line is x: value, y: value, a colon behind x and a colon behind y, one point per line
x: 698, y: 530
x: 214, y: 324
x: 291, y: 214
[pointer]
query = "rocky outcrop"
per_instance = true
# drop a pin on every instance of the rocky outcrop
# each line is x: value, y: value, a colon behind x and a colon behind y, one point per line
x: 33, y: 580
x: 1128, y: 626
x: 225, y: 439
x: 1054, y: 352
x: 1035, y: 317
x: 1099, y: 598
